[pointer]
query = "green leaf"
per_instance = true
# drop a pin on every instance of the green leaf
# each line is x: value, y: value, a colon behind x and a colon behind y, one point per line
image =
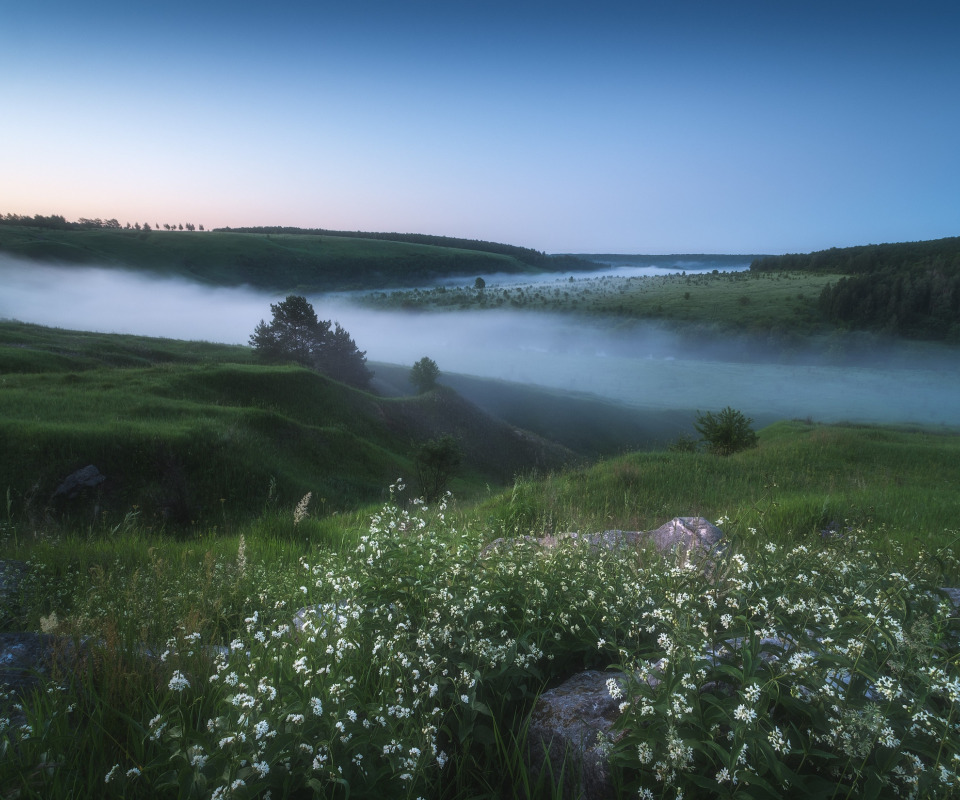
x: 733, y: 672
x: 481, y: 708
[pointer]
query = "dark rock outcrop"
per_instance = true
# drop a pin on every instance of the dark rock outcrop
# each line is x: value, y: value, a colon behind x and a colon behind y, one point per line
x: 77, y: 482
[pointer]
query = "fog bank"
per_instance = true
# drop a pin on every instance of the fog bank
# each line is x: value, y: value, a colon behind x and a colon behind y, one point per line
x: 643, y: 366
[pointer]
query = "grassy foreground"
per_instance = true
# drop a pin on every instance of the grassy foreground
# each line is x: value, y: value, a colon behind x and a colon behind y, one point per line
x: 802, y: 664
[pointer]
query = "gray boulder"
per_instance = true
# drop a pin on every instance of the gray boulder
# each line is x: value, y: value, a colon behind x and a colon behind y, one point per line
x: 87, y: 478
x: 569, y: 736
x: 688, y: 536
x: 28, y: 661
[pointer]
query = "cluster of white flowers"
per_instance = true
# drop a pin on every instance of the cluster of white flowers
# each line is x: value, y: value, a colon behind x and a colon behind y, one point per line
x: 813, y: 628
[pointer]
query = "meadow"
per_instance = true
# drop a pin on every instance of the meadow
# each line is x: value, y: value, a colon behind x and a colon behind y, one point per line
x: 741, y: 300
x: 258, y: 603
x: 288, y: 648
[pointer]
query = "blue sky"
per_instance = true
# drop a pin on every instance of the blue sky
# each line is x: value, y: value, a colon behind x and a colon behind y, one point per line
x: 637, y: 127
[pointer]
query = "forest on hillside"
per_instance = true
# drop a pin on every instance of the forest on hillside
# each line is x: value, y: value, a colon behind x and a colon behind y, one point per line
x: 909, y: 289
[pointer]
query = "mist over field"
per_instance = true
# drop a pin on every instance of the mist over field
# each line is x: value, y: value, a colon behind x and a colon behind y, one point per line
x: 639, y: 365
x: 621, y: 268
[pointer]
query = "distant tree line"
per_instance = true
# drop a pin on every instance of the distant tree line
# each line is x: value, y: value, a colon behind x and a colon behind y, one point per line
x: 525, y: 255
x: 909, y: 289
x: 60, y: 223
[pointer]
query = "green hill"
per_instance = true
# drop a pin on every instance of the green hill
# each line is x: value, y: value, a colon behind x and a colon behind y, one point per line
x: 284, y: 262
x: 199, y: 436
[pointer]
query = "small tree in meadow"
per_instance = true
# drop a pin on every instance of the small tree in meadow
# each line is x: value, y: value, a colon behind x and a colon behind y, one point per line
x: 295, y: 334
x: 728, y: 431
x: 424, y: 374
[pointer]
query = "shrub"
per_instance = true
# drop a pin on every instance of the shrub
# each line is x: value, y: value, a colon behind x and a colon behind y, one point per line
x: 436, y: 462
x: 728, y: 431
x: 683, y: 444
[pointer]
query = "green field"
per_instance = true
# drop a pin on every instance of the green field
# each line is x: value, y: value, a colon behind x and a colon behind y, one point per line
x: 837, y: 537
x: 784, y: 303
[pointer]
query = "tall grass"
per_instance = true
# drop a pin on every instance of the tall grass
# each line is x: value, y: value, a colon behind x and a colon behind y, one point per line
x: 804, y: 480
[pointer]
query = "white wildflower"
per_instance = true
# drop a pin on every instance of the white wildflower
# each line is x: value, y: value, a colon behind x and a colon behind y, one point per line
x: 178, y: 682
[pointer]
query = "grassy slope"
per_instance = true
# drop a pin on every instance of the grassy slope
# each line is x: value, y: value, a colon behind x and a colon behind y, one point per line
x: 180, y: 425
x: 198, y: 437
x: 589, y: 425
x: 284, y: 262
x: 801, y: 479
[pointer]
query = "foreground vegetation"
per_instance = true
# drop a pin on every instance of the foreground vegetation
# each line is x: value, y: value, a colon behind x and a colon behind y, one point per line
x: 801, y: 662
x: 815, y: 657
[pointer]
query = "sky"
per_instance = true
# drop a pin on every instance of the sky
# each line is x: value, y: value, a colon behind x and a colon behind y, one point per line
x: 601, y: 127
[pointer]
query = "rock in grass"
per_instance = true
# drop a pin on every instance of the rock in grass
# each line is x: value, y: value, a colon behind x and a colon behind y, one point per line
x: 569, y: 736
x: 30, y: 660
x: 687, y: 536
x: 87, y: 478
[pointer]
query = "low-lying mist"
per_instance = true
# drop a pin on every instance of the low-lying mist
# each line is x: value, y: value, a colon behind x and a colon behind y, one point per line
x: 666, y: 265
x: 644, y: 366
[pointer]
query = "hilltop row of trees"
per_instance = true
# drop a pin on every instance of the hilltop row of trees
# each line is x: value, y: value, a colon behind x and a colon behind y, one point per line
x: 937, y: 254
x: 526, y: 255
x: 60, y: 223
